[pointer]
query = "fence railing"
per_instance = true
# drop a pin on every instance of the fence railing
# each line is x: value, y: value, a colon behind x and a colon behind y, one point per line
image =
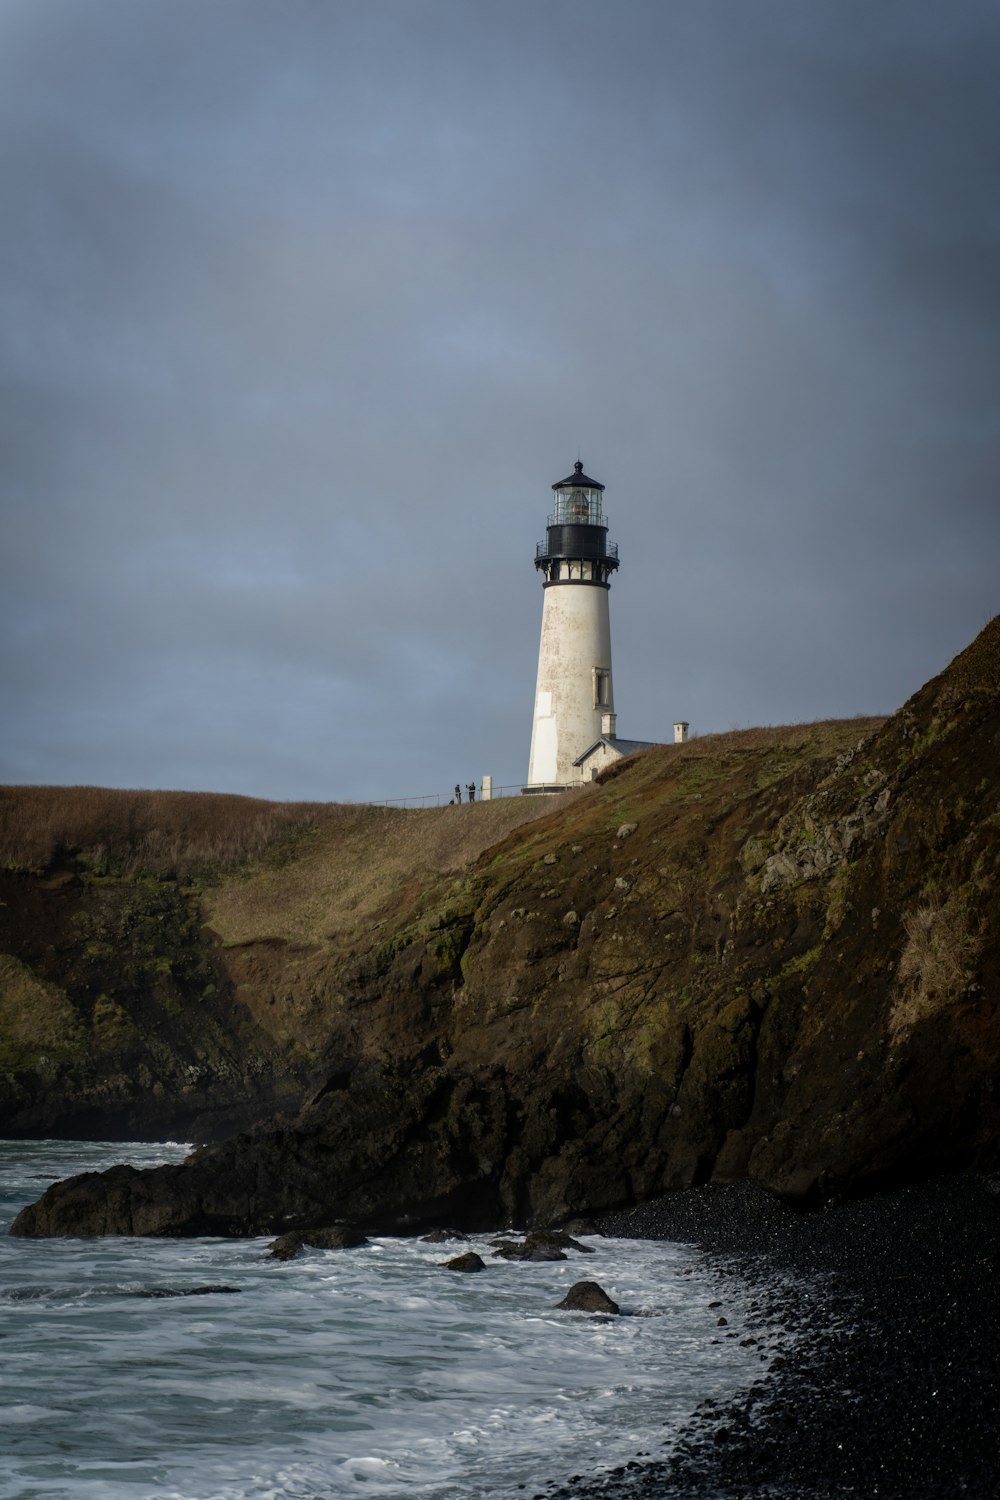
x: 445, y: 799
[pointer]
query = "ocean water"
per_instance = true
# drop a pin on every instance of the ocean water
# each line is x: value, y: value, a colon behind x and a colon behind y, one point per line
x: 368, y: 1372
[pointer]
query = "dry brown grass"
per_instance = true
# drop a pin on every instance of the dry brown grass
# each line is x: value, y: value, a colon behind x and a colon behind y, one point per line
x: 139, y: 832
x: 770, y: 736
x: 303, y: 871
x: 320, y: 872
x: 976, y: 670
x: 363, y: 865
x: 793, y: 742
x: 936, y: 963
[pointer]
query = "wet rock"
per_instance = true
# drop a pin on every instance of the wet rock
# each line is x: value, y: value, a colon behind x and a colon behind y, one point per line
x: 588, y: 1296
x: 470, y: 1261
x: 333, y: 1237
x: 259, y: 1183
x: 521, y: 1250
x: 186, y: 1291
x: 286, y: 1246
x: 557, y: 1239
x: 540, y: 1244
x: 581, y: 1226
x: 441, y: 1236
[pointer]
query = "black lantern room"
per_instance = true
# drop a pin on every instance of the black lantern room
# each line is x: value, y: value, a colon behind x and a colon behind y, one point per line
x: 576, y: 549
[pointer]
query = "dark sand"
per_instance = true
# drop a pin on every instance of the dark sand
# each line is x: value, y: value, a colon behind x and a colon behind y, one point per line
x: 893, y: 1389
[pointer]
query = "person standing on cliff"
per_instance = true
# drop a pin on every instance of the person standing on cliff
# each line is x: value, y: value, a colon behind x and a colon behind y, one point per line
x: 458, y: 793
x: 472, y: 791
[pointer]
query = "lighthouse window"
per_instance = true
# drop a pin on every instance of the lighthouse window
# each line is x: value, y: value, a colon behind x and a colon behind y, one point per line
x: 602, y: 687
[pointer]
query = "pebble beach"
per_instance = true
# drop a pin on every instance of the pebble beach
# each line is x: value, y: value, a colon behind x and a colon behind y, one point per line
x: 891, y: 1387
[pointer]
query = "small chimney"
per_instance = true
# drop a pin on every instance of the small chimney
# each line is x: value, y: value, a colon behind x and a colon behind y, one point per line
x: 680, y: 732
x: 608, y: 722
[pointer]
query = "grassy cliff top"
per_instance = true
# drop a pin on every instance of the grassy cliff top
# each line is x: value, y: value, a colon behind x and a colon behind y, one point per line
x: 312, y: 872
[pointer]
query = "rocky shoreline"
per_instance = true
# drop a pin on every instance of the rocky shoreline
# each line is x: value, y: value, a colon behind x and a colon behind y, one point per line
x: 893, y: 1385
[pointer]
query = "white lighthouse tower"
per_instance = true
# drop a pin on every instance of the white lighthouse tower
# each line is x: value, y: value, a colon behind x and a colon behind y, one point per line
x: 574, y: 693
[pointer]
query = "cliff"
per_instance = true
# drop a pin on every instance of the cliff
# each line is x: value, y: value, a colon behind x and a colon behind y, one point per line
x: 770, y: 954
x: 166, y: 957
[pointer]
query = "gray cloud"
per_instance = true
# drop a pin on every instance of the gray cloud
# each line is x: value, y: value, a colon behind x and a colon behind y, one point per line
x: 304, y: 307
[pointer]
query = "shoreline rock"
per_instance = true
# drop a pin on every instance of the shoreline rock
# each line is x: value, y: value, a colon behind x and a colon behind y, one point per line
x: 468, y: 1262
x: 330, y: 1237
x: 588, y: 1297
x: 539, y: 1245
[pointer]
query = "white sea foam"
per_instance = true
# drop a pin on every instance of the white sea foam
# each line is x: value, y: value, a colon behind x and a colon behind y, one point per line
x: 366, y: 1372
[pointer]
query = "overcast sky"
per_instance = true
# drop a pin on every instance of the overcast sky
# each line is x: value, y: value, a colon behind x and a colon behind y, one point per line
x: 305, y: 305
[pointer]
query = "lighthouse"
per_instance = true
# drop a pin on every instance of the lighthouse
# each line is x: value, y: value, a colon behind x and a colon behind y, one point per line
x: 574, y: 690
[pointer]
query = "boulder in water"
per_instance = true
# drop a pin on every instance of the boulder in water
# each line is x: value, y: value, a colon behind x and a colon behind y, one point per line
x: 470, y: 1261
x: 581, y: 1226
x: 332, y: 1237
x: 185, y: 1291
x: 588, y: 1296
x: 521, y: 1250
x: 540, y: 1244
x: 558, y: 1239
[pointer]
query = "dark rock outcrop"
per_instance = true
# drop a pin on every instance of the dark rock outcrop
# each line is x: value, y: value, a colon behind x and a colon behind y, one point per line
x: 470, y: 1261
x: 333, y: 1237
x: 540, y: 1244
x: 560, y: 1238
x: 590, y: 1297
x: 787, y: 972
x: 188, y: 1291
x: 514, y: 1250
x: 582, y: 1226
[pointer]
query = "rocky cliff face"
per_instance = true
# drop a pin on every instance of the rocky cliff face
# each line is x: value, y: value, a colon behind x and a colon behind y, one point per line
x: 168, y: 961
x: 118, y: 1020
x: 769, y: 954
